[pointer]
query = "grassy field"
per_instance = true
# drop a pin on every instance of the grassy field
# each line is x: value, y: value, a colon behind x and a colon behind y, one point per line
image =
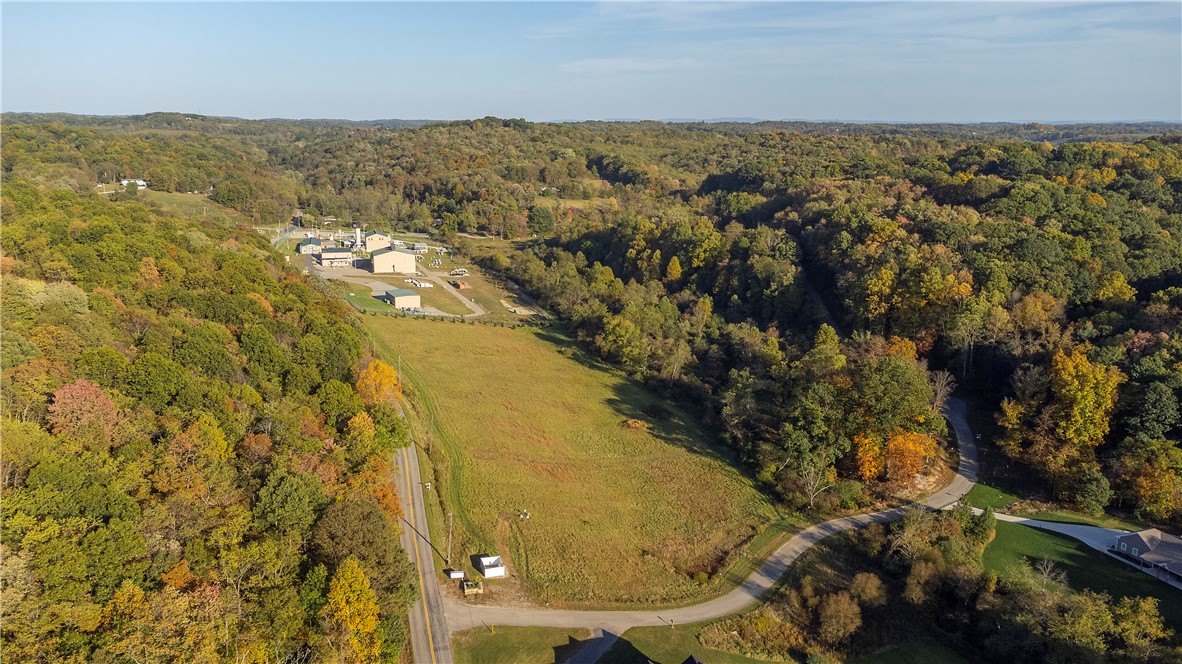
x: 523, y: 421
x: 1085, y: 568
x: 194, y: 205
x: 517, y: 645
x: 663, y: 645
x: 435, y: 297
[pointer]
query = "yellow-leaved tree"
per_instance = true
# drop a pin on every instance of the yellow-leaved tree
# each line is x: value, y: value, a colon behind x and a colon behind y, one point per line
x: 351, y: 614
x: 378, y: 383
x: 868, y: 453
x: 1085, y: 393
x: 906, y: 453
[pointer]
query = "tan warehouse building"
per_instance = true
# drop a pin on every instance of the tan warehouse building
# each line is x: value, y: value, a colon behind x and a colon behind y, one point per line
x: 403, y: 298
x: 392, y: 260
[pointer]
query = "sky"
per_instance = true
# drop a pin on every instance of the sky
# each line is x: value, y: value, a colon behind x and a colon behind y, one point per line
x: 910, y: 61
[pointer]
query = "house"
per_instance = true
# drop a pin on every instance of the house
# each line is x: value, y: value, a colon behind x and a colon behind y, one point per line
x: 139, y: 184
x: 336, y: 257
x: 403, y: 298
x: 375, y: 240
x: 491, y: 567
x: 310, y: 246
x: 1151, y: 548
x: 392, y: 260
x: 419, y: 247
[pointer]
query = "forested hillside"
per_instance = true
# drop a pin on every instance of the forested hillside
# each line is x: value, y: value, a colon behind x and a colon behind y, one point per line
x: 718, y: 263
x: 1045, y: 278
x: 188, y: 470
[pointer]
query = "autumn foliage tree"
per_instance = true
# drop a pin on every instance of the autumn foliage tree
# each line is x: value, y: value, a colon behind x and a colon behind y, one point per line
x: 352, y: 614
x: 906, y: 453
x: 378, y: 383
x: 82, y: 411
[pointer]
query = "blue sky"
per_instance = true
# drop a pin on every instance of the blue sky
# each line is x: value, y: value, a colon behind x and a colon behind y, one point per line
x: 904, y: 61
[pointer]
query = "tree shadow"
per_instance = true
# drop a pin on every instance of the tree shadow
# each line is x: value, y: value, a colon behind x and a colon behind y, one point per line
x: 633, y: 400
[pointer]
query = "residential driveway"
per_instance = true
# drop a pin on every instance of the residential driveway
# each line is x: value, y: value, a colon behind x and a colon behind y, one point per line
x: 464, y: 616
x: 1094, y: 536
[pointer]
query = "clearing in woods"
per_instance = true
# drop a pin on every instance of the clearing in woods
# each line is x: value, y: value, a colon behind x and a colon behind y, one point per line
x: 522, y: 420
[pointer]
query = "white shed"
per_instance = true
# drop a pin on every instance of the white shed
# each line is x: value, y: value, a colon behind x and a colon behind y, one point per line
x: 492, y: 567
x: 392, y: 260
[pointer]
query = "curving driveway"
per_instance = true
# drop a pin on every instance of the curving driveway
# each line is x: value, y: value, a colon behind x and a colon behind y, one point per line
x: 464, y: 616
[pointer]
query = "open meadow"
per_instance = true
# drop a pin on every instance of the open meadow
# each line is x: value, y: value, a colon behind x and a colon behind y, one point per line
x: 628, y: 502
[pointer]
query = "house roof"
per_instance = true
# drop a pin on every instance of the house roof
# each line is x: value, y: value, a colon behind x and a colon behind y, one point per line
x: 338, y: 251
x: 373, y: 233
x: 1157, y: 547
x: 400, y: 292
x: 311, y: 240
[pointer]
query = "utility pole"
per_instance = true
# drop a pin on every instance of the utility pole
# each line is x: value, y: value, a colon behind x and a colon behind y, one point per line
x: 449, y: 526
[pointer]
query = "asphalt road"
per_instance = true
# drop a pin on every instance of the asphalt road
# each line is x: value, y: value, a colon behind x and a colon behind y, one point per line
x: 428, y: 632
x: 464, y: 616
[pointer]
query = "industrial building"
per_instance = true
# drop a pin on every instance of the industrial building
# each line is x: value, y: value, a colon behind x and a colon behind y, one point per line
x: 403, y: 298
x: 392, y: 260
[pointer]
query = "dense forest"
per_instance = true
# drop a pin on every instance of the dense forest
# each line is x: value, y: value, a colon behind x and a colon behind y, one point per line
x: 196, y: 448
x: 817, y: 293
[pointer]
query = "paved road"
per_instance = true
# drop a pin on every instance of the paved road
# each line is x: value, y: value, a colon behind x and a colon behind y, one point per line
x: 1095, y: 537
x: 464, y: 616
x: 441, y: 279
x: 428, y: 633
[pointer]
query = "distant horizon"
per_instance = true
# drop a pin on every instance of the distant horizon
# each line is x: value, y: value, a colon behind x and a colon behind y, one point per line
x: 723, y: 120
x: 908, y: 62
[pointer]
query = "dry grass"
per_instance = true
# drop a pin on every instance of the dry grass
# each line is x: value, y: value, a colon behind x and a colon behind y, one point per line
x: 618, y: 515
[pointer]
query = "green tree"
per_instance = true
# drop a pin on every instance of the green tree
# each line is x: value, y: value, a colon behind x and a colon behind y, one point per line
x: 338, y: 402
x: 154, y: 379
x: 290, y: 502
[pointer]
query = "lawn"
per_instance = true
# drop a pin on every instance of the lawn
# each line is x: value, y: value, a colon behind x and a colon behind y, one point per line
x: 522, y: 420
x: 517, y: 645
x: 1086, y: 568
x: 435, y: 297
x: 663, y: 645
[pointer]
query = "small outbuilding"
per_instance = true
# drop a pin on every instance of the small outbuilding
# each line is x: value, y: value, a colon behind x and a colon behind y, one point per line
x: 491, y: 567
x: 419, y: 247
x: 336, y: 257
x: 403, y: 298
x: 392, y: 260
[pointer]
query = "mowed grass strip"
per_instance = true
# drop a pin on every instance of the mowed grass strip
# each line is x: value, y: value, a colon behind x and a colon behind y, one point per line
x: 517, y: 645
x: 529, y: 423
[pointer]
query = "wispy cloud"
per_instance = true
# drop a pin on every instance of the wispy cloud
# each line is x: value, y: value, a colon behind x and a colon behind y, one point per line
x: 612, y: 66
